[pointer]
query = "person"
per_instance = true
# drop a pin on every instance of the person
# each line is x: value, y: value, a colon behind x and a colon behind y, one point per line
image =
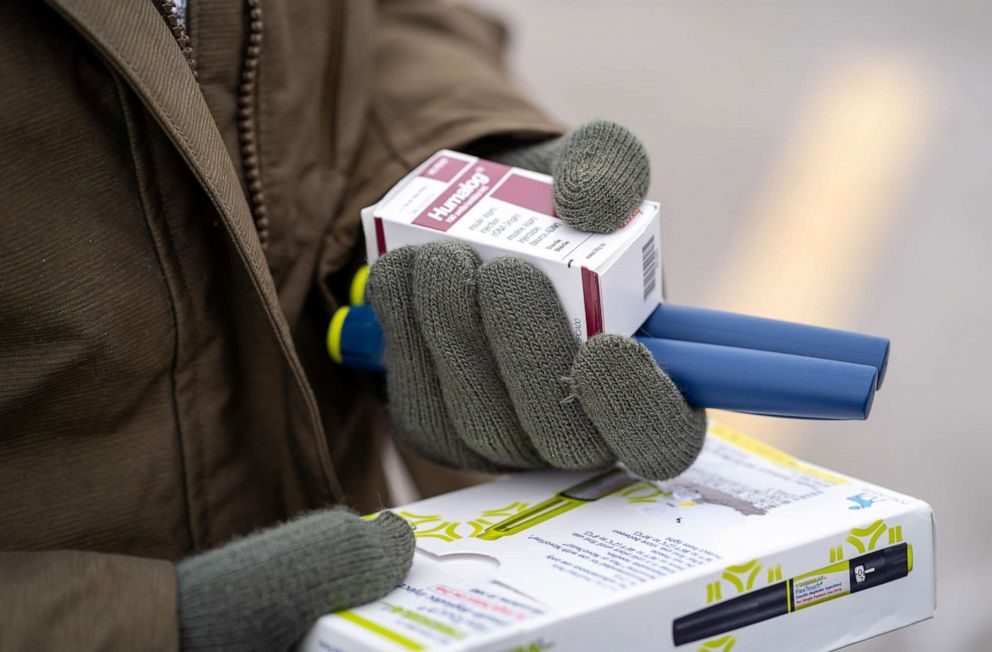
x: 179, y: 213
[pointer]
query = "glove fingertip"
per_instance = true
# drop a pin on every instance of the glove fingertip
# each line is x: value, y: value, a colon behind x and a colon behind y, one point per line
x: 389, y: 268
x: 601, y: 176
x: 534, y: 348
x: 398, y: 540
x: 636, y: 407
x: 380, y: 551
x: 503, y: 269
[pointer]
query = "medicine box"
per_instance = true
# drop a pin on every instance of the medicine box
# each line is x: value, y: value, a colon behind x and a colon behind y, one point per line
x: 749, y: 550
x: 606, y: 282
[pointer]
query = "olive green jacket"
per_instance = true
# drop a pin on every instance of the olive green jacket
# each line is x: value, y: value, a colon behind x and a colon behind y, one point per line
x: 163, y: 382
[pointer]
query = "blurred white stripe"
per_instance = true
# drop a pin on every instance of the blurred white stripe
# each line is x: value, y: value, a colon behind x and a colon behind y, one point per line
x: 830, y: 204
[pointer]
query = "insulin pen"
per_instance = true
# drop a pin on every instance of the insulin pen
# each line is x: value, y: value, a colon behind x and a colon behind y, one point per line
x: 800, y: 592
x: 717, y: 359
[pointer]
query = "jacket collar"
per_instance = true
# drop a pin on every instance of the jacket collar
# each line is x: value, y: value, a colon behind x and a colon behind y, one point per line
x: 135, y: 40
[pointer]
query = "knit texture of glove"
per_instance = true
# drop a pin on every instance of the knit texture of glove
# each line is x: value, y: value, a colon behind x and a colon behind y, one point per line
x: 484, y: 372
x: 263, y: 592
x: 601, y: 173
x: 648, y: 428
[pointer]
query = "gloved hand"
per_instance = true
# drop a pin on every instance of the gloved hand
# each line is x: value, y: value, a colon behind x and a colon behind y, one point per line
x: 263, y: 592
x: 483, y: 371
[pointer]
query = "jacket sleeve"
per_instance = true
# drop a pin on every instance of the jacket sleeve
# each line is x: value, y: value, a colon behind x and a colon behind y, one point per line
x: 69, y: 600
x: 440, y: 80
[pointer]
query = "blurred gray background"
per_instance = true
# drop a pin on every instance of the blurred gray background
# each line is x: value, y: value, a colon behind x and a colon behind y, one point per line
x: 826, y: 162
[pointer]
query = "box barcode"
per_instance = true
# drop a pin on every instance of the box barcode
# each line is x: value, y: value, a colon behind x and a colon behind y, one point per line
x: 649, y: 266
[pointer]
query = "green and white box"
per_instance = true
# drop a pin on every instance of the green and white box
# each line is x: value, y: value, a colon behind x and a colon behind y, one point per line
x: 750, y: 549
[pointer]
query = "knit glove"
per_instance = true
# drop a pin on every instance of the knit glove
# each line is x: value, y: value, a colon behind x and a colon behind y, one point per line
x: 600, y: 173
x: 483, y: 370
x: 263, y: 592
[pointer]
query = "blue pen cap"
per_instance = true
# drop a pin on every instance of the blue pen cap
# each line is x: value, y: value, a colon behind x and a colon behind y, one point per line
x: 761, y: 382
x: 674, y: 322
x: 354, y: 338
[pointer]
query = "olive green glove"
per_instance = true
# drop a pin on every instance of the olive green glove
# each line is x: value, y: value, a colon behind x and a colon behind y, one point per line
x: 483, y: 371
x: 263, y: 592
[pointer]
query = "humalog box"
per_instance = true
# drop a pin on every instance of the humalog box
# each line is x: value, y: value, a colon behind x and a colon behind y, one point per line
x: 748, y: 550
x: 606, y: 283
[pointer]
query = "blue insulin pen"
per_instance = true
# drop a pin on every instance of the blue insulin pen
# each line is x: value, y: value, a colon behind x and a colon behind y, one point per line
x: 717, y: 359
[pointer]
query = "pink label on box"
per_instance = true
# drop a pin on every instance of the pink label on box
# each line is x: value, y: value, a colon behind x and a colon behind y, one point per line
x: 473, y: 184
x: 527, y: 193
x: 593, y: 302
x: 443, y: 168
x: 380, y: 236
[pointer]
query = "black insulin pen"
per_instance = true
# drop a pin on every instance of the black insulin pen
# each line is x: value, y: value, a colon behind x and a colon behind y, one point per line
x: 817, y: 587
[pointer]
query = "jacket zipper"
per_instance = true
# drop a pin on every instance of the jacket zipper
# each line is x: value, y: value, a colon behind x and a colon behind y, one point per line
x: 247, y: 103
x: 178, y: 26
x: 247, y: 124
x: 247, y: 100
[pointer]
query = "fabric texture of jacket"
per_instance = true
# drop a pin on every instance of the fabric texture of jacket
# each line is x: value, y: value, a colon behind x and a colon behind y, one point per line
x: 163, y: 381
